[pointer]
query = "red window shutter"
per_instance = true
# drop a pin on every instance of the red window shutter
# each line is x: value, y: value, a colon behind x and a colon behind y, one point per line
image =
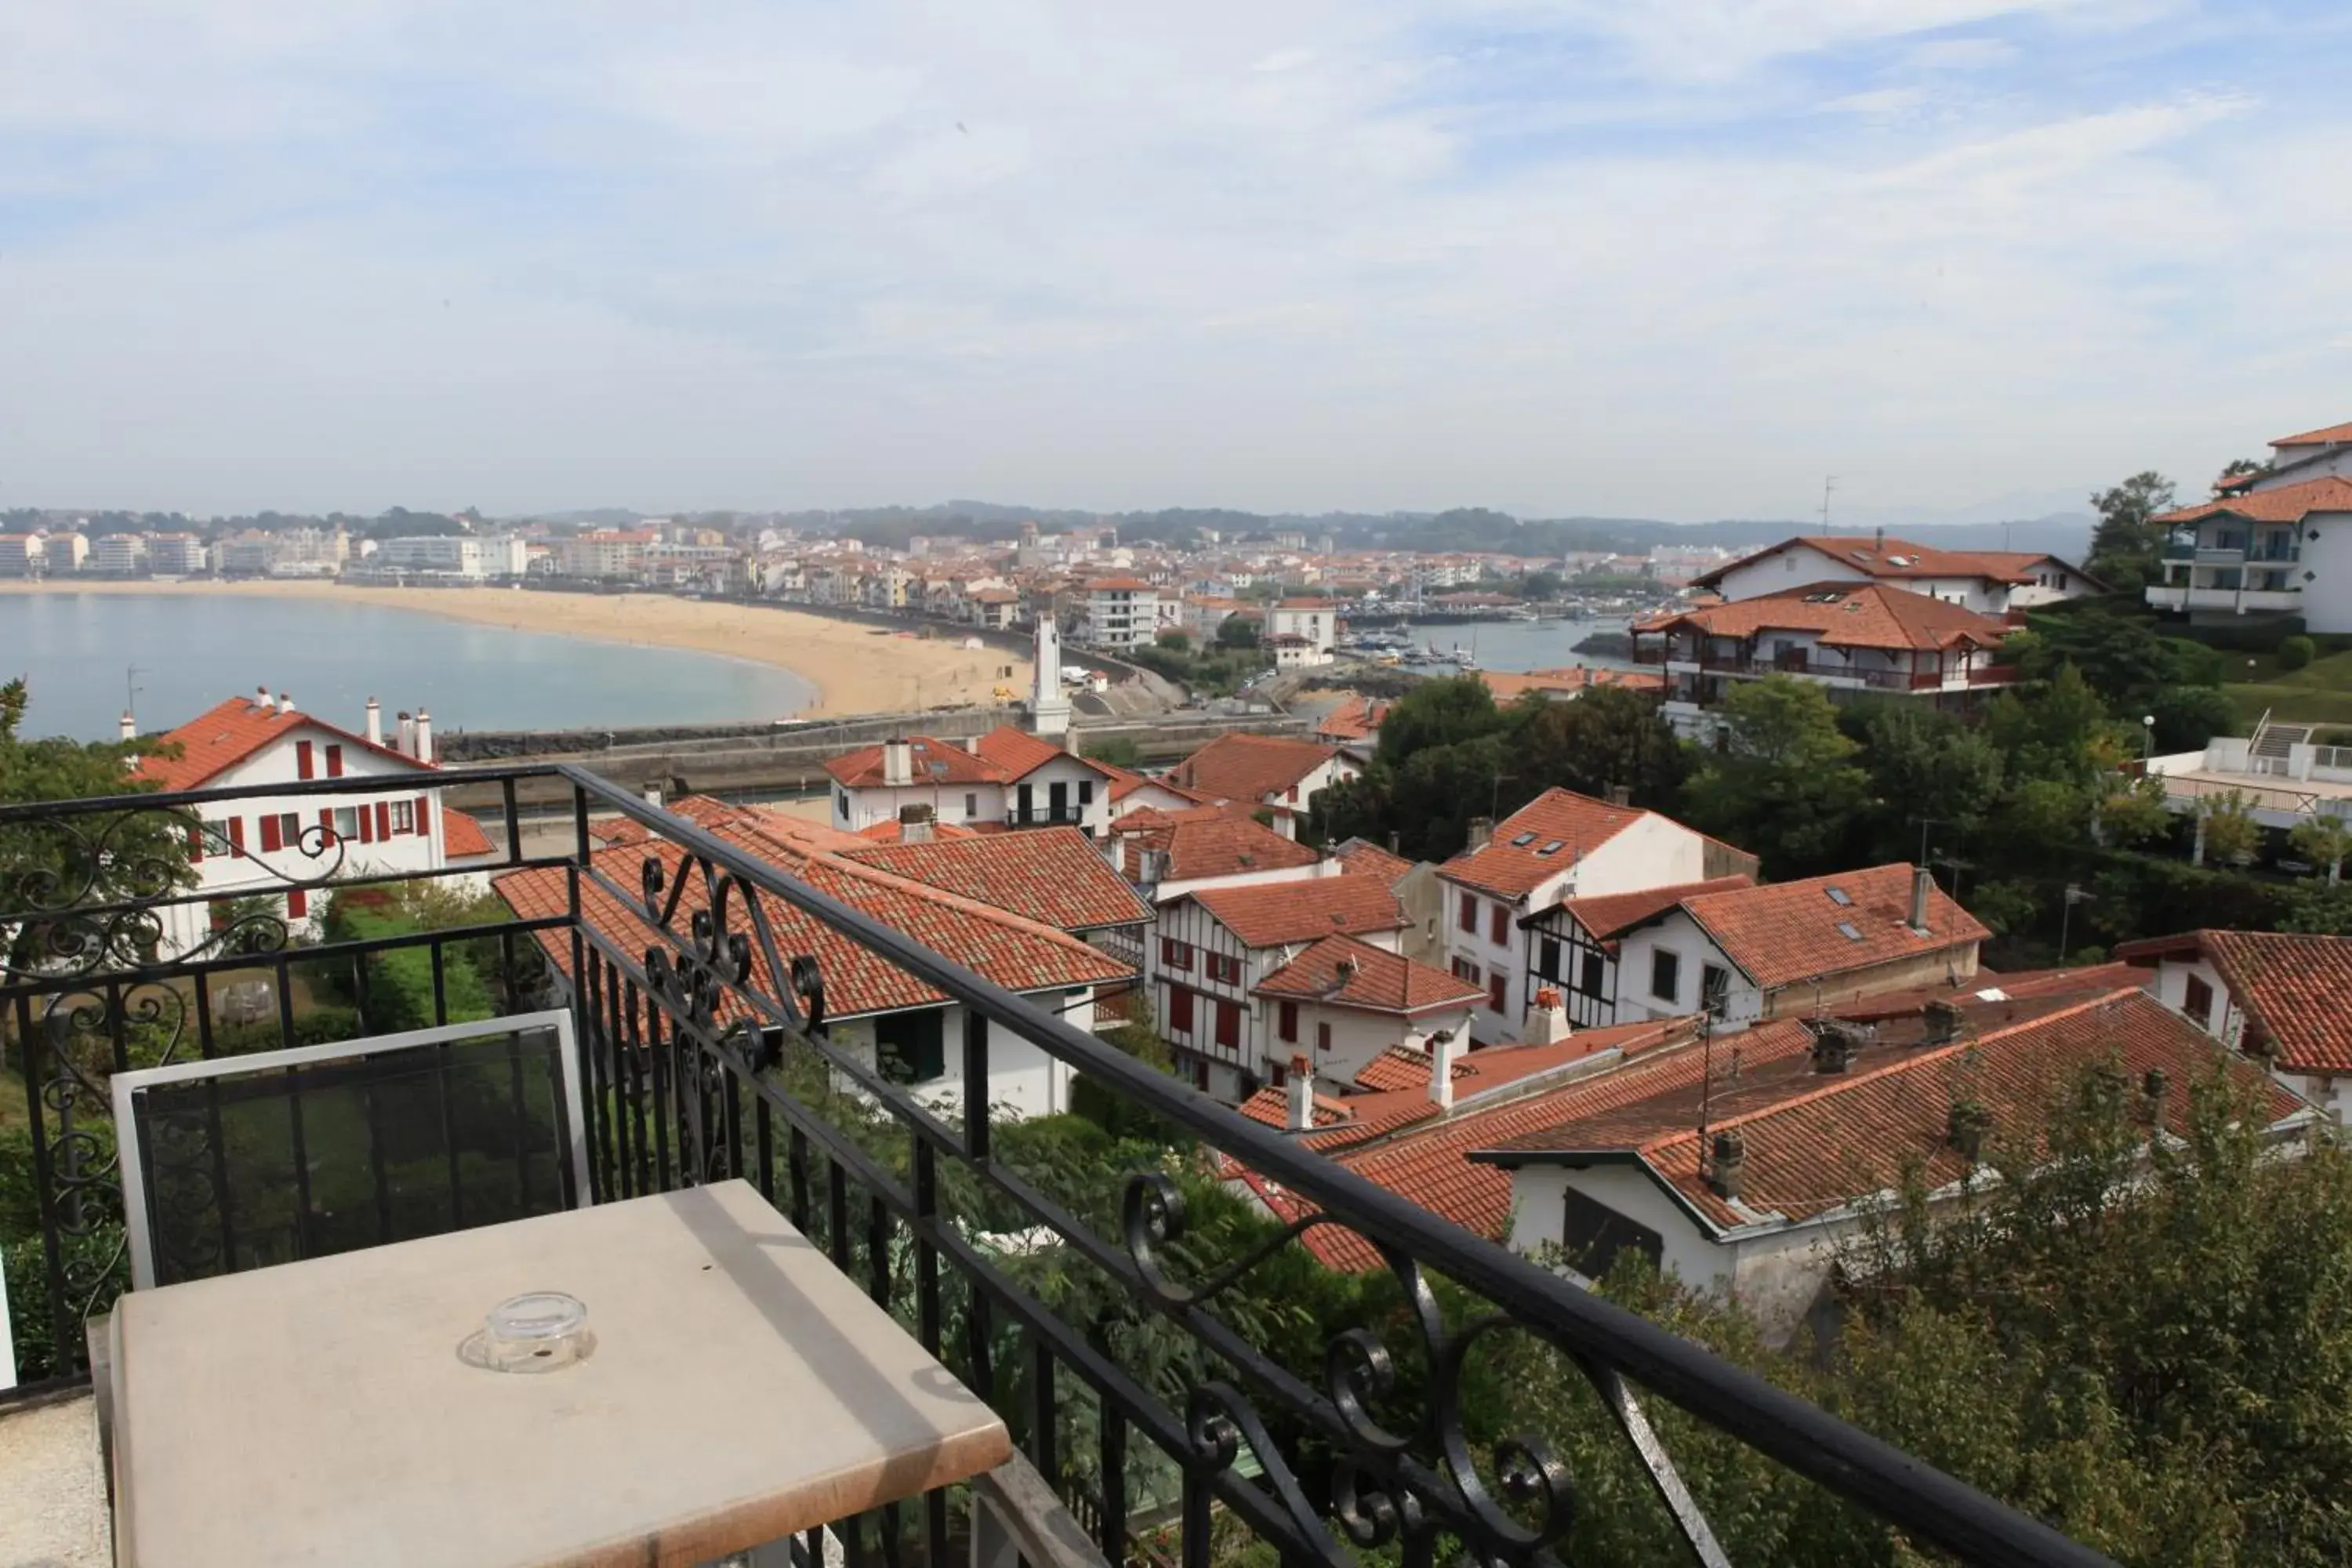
x: 1468, y: 918
x: 195, y: 843
x: 1499, y: 925
x: 424, y: 813
x: 269, y: 834
x: 297, y: 904
x: 334, y: 762
x: 1498, y: 986
x: 237, y: 836
x: 1180, y: 1009
x: 1228, y: 1025
x: 327, y: 821
x: 383, y: 819
x: 302, y: 759
x: 367, y: 824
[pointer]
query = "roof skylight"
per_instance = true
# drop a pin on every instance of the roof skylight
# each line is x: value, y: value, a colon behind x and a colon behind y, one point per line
x: 1846, y: 930
x: 1839, y: 897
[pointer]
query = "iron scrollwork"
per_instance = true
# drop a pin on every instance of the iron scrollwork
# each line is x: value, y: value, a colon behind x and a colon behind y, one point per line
x: 1377, y: 1493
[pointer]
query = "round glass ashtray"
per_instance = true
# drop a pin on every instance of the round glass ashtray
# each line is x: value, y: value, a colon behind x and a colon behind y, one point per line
x: 540, y: 1331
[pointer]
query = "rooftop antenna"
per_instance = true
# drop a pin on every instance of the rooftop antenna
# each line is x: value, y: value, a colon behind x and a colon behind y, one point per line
x: 1829, y: 483
x: 131, y: 687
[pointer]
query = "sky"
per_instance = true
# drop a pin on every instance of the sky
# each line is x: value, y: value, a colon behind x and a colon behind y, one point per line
x: 1678, y: 258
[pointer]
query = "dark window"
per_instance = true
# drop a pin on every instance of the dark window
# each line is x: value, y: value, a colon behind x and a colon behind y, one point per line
x: 1285, y: 1021
x: 1548, y: 959
x: 1225, y: 969
x: 1057, y: 800
x: 1086, y: 794
x: 1180, y: 1010
x: 1594, y: 1233
x: 970, y: 808
x: 1466, y: 970
x: 1595, y: 980
x: 1174, y: 954
x: 1468, y: 918
x: 2196, y: 1001
x: 1713, y: 988
x: 1498, y: 990
x: 1322, y: 1036
x: 912, y: 1045
x: 1665, y: 975
x: 1022, y: 815
x: 1499, y: 924
x: 1228, y: 1025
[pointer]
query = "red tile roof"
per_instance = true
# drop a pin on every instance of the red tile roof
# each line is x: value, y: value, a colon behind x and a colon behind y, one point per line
x: 1213, y: 841
x: 2296, y: 990
x: 462, y: 837
x: 1379, y: 982
x: 1249, y: 767
x: 1845, y: 614
x: 1425, y: 1157
x: 1267, y: 914
x: 1372, y: 860
x: 933, y: 761
x: 1016, y: 953
x: 893, y: 831
x: 1573, y: 682
x: 1896, y: 559
x: 1784, y: 932
x: 1814, y: 1141
x: 1356, y: 718
x: 1606, y: 915
x: 1122, y: 584
x: 1051, y: 875
x: 223, y: 736
x: 1561, y: 820
x: 1021, y: 754
x: 2327, y: 436
x: 2285, y: 503
x: 1125, y: 782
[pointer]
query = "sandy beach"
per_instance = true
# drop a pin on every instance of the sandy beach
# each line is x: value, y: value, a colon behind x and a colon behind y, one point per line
x: 857, y: 669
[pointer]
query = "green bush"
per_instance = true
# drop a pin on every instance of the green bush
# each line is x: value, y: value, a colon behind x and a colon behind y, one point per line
x: 2295, y: 652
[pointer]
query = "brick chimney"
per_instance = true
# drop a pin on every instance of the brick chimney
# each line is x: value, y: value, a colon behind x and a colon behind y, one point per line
x: 914, y: 824
x: 1621, y: 796
x: 1729, y: 1166
x: 1300, y: 1111
x: 374, y: 723
x: 1441, y: 1069
x: 1921, y: 883
x: 1482, y: 833
x: 898, y: 762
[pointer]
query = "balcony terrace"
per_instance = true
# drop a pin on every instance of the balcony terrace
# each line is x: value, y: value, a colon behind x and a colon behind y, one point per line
x: 1171, y: 1423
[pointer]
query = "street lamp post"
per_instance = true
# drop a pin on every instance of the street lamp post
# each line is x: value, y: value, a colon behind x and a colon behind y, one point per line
x: 2148, y: 738
x: 2074, y: 895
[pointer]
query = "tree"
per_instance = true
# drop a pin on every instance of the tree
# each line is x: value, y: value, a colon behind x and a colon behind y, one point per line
x: 2061, y: 732
x: 1540, y: 586
x: 1926, y: 769
x: 1174, y: 640
x: 1119, y: 751
x: 2229, y: 830
x: 2127, y: 543
x: 1438, y: 714
x: 1785, y: 785
x: 1608, y: 738
x: 2323, y: 841
x: 2239, y: 468
x: 2137, y: 813
x: 2119, y: 653
x: 95, y: 859
x: 1237, y: 631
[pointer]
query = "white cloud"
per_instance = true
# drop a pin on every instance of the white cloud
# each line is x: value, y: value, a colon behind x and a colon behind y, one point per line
x: 759, y: 257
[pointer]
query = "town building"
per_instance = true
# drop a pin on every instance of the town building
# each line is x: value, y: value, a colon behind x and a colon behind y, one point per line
x: 1991, y: 582
x: 2279, y: 775
x: 1210, y: 948
x: 254, y: 847
x: 1303, y: 632
x: 2274, y: 543
x: 1558, y: 846
x: 603, y: 553
x: 898, y: 1025
x: 1342, y: 1003
x: 21, y: 555
x: 1272, y: 774
x: 448, y: 555
x: 1121, y: 612
x: 1742, y: 952
x: 117, y: 555
x: 1167, y: 853
x: 175, y: 555
x: 1740, y: 1174
x: 1000, y: 779
x: 1855, y: 640
x: 2278, y: 997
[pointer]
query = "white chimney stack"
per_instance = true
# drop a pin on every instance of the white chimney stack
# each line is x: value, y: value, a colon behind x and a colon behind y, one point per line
x: 1301, y: 1088
x: 374, y: 723
x: 652, y: 794
x: 914, y: 824
x: 284, y: 703
x: 261, y: 698
x: 1441, y: 1069
x: 898, y: 762
x: 404, y: 737
x: 424, y: 736
x: 130, y: 726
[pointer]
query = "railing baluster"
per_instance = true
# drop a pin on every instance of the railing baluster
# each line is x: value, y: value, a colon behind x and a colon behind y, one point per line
x: 440, y: 987
x: 763, y: 1133
x: 975, y: 1085
x: 836, y: 1212
x: 796, y: 1171
x: 1113, y: 1425
x: 877, y: 1249
x: 200, y: 984
x: 658, y: 1061
x: 1041, y: 1411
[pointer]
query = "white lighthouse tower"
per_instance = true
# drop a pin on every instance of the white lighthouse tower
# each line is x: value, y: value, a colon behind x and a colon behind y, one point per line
x: 1049, y: 710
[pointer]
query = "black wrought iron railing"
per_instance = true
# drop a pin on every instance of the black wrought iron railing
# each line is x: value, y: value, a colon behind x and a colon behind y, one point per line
x: 1139, y: 1328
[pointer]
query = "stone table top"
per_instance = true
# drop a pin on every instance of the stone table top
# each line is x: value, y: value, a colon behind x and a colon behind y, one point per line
x: 740, y: 1389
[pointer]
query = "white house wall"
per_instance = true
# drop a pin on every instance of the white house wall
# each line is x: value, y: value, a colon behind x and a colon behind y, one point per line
x: 1021, y: 1079
x: 2326, y: 545
x: 1538, y: 1215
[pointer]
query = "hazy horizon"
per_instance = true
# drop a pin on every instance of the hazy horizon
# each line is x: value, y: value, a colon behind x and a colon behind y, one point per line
x: 1558, y: 257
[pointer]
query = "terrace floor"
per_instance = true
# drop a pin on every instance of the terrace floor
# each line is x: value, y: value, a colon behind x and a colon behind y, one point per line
x: 56, y: 1512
